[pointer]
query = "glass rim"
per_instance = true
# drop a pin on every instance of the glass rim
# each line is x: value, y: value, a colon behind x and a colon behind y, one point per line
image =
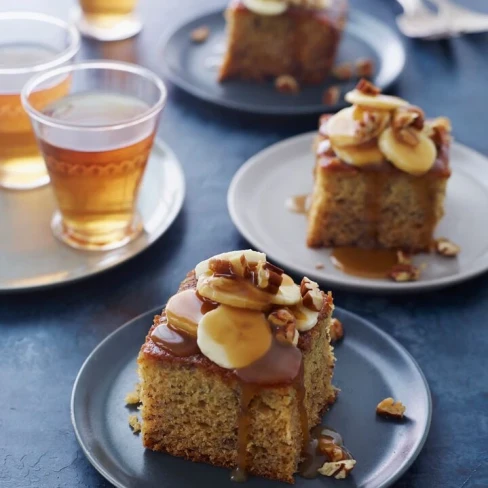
x: 60, y: 58
x: 35, y: 114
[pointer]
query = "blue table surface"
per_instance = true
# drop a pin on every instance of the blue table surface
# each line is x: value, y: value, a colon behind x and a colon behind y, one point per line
x: 46, y: 335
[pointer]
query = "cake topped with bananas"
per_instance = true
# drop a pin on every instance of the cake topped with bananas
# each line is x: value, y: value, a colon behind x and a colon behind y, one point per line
x: 241, y: 305
x: 278, y: 7
x: 379, y: 128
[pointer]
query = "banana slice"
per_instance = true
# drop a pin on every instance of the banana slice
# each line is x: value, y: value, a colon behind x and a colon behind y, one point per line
x: 344, y: 127
x: 379, y: 102
x: 234, y: 293
x: 362, y: 155
x: 306, y: 319
x: 266, y: 7
x: 250, y: 255
x: 184, y: 311
x: 234, y: 338
x: 288, y: 293
x: 415, y: 160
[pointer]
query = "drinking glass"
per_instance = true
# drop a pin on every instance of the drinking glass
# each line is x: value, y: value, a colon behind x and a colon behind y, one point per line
x: 108, y: 20
x: 96, y: 140
x: 29, y: 43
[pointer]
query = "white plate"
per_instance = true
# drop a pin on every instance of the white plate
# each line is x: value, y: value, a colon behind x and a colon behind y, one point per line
x: 256, y: 201
x: 30, y: 255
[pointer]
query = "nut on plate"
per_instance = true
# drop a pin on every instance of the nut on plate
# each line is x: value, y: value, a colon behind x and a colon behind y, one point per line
x: 343, y: 71
x: 364, y: 67
x: 287, y: 84
x: 389, y: 408
x: 338, y: 469
x: 402, y: 273
x: 446, y: 248
x: 336, y: 330
x: 331, y: 95
x: 200, y: 34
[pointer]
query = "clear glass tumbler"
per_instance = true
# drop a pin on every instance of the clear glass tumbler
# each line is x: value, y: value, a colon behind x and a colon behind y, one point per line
x: 108, y: 20
x: 29, y: 43
x: 96, y: 140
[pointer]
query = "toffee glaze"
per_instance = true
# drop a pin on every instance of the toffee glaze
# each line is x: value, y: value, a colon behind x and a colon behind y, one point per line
x: 366, y: 263
x: 174, y: 340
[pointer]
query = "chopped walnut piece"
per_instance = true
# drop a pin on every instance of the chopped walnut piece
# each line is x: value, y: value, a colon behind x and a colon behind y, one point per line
x: 366, y: 87
x: 287, y: 84
x: 312, y: 297
x: 338, y: 469
x: 268, y: 277
x: 343, y: 71
x: 281, y: 317
x: 446, y: 248
x: 200, y: 34
x: 331, y: 95
x: 336, y: 330
x: 133, y: 398
x: 286, y: 329
x: 410, y: 116
x: 389, y: 408
x: 404, y: 272
x: 134, y: 423
x: 364, y: 67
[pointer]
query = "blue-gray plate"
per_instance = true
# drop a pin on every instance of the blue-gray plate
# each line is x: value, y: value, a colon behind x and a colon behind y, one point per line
x: 194, y: 67
x: 371, y: 366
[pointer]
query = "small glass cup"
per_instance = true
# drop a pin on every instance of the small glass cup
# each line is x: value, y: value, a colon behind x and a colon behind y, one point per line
x: 29, y: 43
x: 108, y: 20
x: 96, y: 141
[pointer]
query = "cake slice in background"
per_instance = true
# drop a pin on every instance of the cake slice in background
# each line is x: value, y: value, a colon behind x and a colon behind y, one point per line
x: 381, y: 172
x: 238, y: 368
x: 269, y: 38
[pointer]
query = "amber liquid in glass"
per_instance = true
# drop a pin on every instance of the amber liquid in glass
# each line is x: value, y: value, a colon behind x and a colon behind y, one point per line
x: 21, y: 164
x: 107, y: 13
x: 96, y: 176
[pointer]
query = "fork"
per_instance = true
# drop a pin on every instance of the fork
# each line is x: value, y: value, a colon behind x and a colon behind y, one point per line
x: 420, y: 22
x: 460, y: 19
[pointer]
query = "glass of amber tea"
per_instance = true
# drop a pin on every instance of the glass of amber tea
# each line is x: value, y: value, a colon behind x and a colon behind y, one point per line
x: 108, y: 20
x: 96, y: 140
x: 29, y: 43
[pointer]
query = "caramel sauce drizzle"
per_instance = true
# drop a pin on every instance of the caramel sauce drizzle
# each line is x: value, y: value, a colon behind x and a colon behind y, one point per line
x: 174, y: 340
x: 366, y: 263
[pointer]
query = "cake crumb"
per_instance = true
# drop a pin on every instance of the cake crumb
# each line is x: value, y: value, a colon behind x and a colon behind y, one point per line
x: 331, y: 95
x: 133, y: 397
x: 339, y: 469
x: 319, y: 265
x: 364, y: 67
x: 445, y: 247
x: 343, y: 72
x: 200, y: 34
x: 391, y: 409
x: 336, y: 330
x: 135, y: 424
x: 287, y: 84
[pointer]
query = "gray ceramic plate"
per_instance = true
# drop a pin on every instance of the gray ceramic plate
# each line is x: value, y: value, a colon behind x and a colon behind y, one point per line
x: 193, y: 67
x: 261, y: 217
x: 370, y: 366
x: 31, y: 257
